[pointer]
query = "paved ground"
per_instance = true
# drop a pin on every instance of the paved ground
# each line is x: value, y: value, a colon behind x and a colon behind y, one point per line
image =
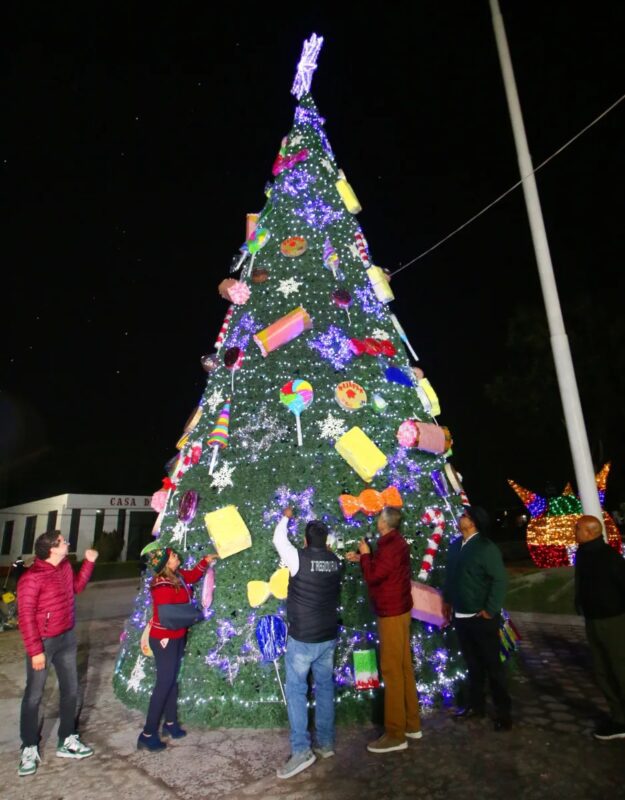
x: 548, y: 754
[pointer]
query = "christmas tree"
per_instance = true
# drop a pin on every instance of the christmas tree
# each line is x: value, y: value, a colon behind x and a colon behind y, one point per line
x: 311, y: 402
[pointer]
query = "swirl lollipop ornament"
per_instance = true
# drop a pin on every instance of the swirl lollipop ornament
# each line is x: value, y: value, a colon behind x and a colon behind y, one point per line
x: 297, y: 395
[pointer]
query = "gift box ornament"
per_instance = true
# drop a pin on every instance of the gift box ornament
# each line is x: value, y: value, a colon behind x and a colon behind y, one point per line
x: 365, y: 670
x: 427, y: 604
x: 381, y: 286
x: 228, y: 531
x: 347, y: 194
x: 508, y: 636
x: 424, y: 436
x: 283, y: 330
x: 428, y: 397
x: 362, y: 455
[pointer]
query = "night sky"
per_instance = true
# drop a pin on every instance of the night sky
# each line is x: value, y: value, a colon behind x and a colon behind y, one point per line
x: 136, y: 141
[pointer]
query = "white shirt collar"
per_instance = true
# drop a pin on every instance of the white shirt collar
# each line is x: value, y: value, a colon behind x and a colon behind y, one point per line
x: 466, y: 541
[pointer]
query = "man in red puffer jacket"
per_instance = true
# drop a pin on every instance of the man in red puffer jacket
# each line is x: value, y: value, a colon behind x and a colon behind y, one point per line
x: 387, y: 575
x: 46, y: 615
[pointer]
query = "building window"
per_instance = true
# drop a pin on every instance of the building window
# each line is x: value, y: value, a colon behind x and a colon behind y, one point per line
x: 74, y: 528
x: 99, y: 524
x: 29, y: 535
x: 51, y: 520
x: 7, y: 537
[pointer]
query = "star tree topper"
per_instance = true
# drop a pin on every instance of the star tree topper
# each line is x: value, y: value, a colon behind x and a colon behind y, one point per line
x: 307, y: 65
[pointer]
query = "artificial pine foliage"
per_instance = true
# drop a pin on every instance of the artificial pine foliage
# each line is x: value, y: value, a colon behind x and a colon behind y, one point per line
x: 307, y: 252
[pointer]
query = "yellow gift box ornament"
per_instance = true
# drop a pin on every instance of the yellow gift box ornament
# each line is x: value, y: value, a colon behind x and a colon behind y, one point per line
x: 381, y: 286
x: 362, y: 455
x: 347, y: 194
x: 227, y: 531
x: 260, y: 591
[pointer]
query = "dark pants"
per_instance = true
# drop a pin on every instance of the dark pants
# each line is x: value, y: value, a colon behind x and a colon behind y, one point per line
x: 606, y: 638
x: 479, y: 642
x: 165, y: 693
x: 61, y: 653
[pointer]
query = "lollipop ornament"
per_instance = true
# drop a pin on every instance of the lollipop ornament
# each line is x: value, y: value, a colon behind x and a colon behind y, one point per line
x: 218, y: 439
x: 271, y: 634
x: 342, y: 299
x: 297, y: 395
x: 233, y: 358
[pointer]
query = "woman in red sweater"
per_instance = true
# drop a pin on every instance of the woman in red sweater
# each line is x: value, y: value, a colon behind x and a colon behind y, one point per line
x: 168, y: 586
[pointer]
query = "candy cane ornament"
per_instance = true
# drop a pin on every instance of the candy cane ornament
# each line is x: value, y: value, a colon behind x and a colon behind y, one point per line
x: 432, y: 517
x: 363, y: 249
x: 224, y: 328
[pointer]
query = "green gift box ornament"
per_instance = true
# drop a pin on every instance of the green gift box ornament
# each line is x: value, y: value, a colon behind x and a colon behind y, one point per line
x: 365, y: 670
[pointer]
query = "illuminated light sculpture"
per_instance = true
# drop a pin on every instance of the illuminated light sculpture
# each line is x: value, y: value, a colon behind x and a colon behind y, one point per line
x: 307, y: 65
x: 551, y: 531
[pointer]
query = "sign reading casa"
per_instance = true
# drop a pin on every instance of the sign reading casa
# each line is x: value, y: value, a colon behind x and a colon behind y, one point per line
x: 132, y: 502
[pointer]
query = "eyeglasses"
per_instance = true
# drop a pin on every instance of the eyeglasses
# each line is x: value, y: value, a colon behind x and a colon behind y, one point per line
x: 59, y: 542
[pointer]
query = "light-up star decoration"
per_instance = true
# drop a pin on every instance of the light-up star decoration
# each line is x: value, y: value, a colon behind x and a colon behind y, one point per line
x: 551, y: 531
x: 307, y: 65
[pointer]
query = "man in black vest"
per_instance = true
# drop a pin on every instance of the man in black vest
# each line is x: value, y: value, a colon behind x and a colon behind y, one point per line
x: 311, y: 606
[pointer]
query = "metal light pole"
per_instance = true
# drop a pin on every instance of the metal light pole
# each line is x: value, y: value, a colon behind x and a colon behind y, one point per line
x: 578, y: 440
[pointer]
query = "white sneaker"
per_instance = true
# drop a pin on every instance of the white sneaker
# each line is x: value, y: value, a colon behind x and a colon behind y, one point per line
x: 72, y: 747
x: 28, y: 761
x: 414, y: 734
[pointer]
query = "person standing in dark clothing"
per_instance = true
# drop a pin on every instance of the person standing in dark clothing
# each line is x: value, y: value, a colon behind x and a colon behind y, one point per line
x: 600, y: 597
x: 312, y: 613
x: 475, y: 586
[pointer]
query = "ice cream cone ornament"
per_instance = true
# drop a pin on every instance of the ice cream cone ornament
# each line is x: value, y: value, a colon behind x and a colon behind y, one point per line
x: 218, y: 439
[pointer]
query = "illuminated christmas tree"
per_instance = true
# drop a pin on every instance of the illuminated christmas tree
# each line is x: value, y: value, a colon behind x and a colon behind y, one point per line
x: 311, y: 401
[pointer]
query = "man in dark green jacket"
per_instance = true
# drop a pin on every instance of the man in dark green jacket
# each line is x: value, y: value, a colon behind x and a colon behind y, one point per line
x: 600, y: 597
x: 475, y: 586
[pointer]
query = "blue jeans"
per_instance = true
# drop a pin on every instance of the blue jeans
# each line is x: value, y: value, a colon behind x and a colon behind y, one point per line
x: 301, y: 657
x: 61, y: 653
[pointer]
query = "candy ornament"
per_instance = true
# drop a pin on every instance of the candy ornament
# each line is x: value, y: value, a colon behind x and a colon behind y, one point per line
x: 237, y: 292
x: 424, y: 436
x: 223, y: 330
x: 293, y: 246
x: 283, y: 330
x: 260, y: 275
x: 435, y: 519
x: 347, y: 194
x: 350, y: 395
x: 188, y: 506
x: 370, y: 502
x: 362, y: 455
x: 271, y: 633
x: 380, y: 284
x: 218, y: 439
x: 233, y: 358
x: 251, y: 223
x: 342, y: 299
x: 297, y: 395
x: 403, y: 337
x: 330, y: 257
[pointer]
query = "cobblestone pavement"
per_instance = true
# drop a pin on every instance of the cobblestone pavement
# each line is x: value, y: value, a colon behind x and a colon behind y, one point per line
x: 548, y: 754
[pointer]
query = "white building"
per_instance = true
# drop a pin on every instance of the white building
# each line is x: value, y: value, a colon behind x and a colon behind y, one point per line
x: 79, y: 518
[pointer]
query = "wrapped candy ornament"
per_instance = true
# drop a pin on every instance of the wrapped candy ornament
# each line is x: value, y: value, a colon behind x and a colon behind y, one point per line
x: 365, y: 670
x: 271, y: 635
x: 347, y: 194
x: 381, y: 286
x: 283, y: 330
x: 370, y: 502
x: 424, y: 436
x: 427, y: 604
x: 237, y: 292
x: 330, y: 258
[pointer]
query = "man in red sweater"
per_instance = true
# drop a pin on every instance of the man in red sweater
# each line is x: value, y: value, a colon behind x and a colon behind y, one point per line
x: 46, y: 616
x: 387, y: 575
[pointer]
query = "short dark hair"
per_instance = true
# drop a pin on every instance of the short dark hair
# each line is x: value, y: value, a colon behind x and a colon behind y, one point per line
x: 45, y: 543
x: 392, y: 517
x: 316, y: 533
x: 479, y: 516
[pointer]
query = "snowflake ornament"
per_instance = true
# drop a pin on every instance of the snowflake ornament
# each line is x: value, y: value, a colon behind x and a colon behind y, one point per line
x: 354, y: 251
x: 137, y: 674
x: 258, y: 436
x: 327, y: 164
x: 378, y: 333
x: 179, y: 532
x: 295, y: 140
x: 289, y: 286
x: 215, y: 400
x: 331, y: 427
x: 223, y: 477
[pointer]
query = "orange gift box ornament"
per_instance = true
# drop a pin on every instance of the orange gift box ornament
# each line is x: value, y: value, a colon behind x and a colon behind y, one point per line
x: 370, y: 501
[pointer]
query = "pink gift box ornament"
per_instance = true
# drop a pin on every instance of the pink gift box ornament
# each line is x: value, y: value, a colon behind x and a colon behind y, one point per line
x: 427, y: 604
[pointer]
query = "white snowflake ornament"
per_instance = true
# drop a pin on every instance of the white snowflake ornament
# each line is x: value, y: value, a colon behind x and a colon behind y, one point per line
x: 137, y: 674
x: 223, y: 477
x: 331, y: 427
x: 215, y: 400
x: 378, y: 333
x: 289, y: 286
